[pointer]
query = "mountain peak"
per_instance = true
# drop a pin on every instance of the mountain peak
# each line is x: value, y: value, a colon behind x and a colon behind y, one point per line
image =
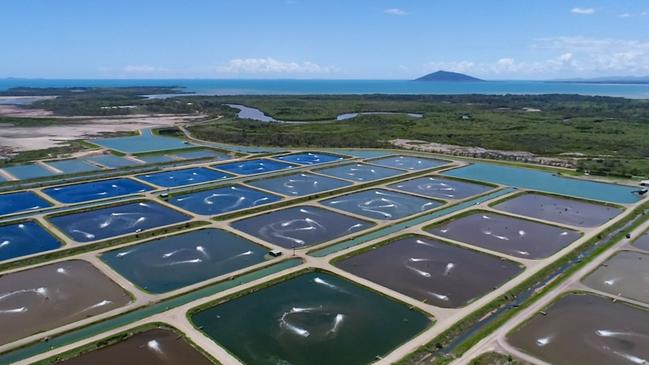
x: 447, y: 76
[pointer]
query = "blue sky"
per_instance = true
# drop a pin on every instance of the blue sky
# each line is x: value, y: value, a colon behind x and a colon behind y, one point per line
x: 503, y: 39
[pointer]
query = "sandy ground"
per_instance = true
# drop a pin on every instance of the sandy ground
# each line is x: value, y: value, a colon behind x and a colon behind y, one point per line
x: 33, y: 138
x: 15, y: 111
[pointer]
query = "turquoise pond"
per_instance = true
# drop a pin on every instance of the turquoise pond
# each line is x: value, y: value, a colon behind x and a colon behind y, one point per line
x: 28, y: 171
x: 145, y: 142
x: 525, y: 178
x: 112, y: 161
x: 72, y: 166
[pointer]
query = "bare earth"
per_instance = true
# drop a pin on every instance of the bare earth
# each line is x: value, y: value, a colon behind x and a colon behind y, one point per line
x: 33, y: 138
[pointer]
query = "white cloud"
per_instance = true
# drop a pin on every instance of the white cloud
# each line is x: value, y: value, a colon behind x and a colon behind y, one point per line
x: 583, y: 11
x: 271, y: 66
x: 625, y: 15
x: 571, y: 56
x: 395, y: 11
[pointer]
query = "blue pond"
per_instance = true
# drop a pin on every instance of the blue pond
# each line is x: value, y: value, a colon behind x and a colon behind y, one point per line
x: 174, y: 262
x: 25, y: 238
x: 250, y: 167
x: 145, y: 142
x: 190, y: 155
x: 155, y: 158
x: 310, y: 158
x: 408, y: 162
x: 21, y: 201
x: 223, y: 200
x: 299, y: 184
x: 173, y: 178
x: 95, y: 190
x: 381, y: 204
x: 72, y: 166
x: 360, y: 172
x: 28, y: 171
x: 112, y: 161
x: 116, y: 220
x: 545, y: 181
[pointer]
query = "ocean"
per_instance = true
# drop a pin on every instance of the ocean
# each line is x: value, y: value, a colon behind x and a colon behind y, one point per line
x: 321, y: 87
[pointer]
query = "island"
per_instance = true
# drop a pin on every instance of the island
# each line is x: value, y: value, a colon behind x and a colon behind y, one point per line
x: 447, y: 76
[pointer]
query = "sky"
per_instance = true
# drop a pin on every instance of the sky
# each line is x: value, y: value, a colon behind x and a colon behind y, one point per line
x: 323, y: 39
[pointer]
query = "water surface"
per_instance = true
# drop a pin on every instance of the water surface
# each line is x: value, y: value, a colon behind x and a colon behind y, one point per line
x: 408, y: 162
x: 310, y: 158
x: 528, y: 178
x: 21, y: 201
x: 156, y: 347
x: 512, y: 236
x: 223, y: 200
x: 173, y: 178
x: 93, y: 190
x: 112, y: 161
x: 439, y: 187
x: 249, y: 167
x: 50, y: 296
x: 100, y: 223
x: 381, y: 204
x: 299, y: 184
x: 177, y: 261
x: 625, y: 274
x: 560, y: 210
x: 72, y: 166
x: 425, y: 269
x: 28, y: 171
x: 312, y: 319
x: 586, y: 329
x: 300, y: 226
x: 25, y: 238
x: 360, y: 172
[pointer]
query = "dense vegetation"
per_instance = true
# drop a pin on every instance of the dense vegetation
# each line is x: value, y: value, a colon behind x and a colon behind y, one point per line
x: 610, y: 134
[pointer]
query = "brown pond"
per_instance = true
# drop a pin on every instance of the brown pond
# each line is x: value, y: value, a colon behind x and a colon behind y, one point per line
x: 586, y: 329
x: 642, y: 242
x: 50, y: 296
x: 625, y: 274
x: 561, y: 210
x: 509, y: 235
x: 156, y: 346
x: 443, y: 275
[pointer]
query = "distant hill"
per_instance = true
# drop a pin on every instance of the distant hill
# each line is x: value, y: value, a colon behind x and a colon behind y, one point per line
x: 447, y: 76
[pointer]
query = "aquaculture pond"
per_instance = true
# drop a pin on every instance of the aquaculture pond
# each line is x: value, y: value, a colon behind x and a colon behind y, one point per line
x: 381, y: 204
x: 642, y: 242
x: 94, y: 190
x: 72, y: 166
x: 155, y: 158
x: 50, y: 296
x: 314, y: 318
x: 100, y: 223
x: 300, y: 226
x: 25, y: 238
x: 21, y: 201
x: 223, y: 200
x: 428, y: 270
x: 521, y: 177
x: 173, y: 178
x: 561, y: 210
x: 299, y: 184
x: 408, y: 162
x: 360, y: 172
x: 112, y: 161
x: 192, y: 155
x: 625, y: 274
x: 586, y: 329
x: 310, y: 158
x: 512, y: 236
x: 249, y: 167
x: 153, y: 347
x: 144, y: 142
x: 440, y: 187
x: 173, y: 262
x: 28, y: 171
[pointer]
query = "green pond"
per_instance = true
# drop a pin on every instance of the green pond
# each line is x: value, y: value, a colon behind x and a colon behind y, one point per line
x: 313, y: 318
